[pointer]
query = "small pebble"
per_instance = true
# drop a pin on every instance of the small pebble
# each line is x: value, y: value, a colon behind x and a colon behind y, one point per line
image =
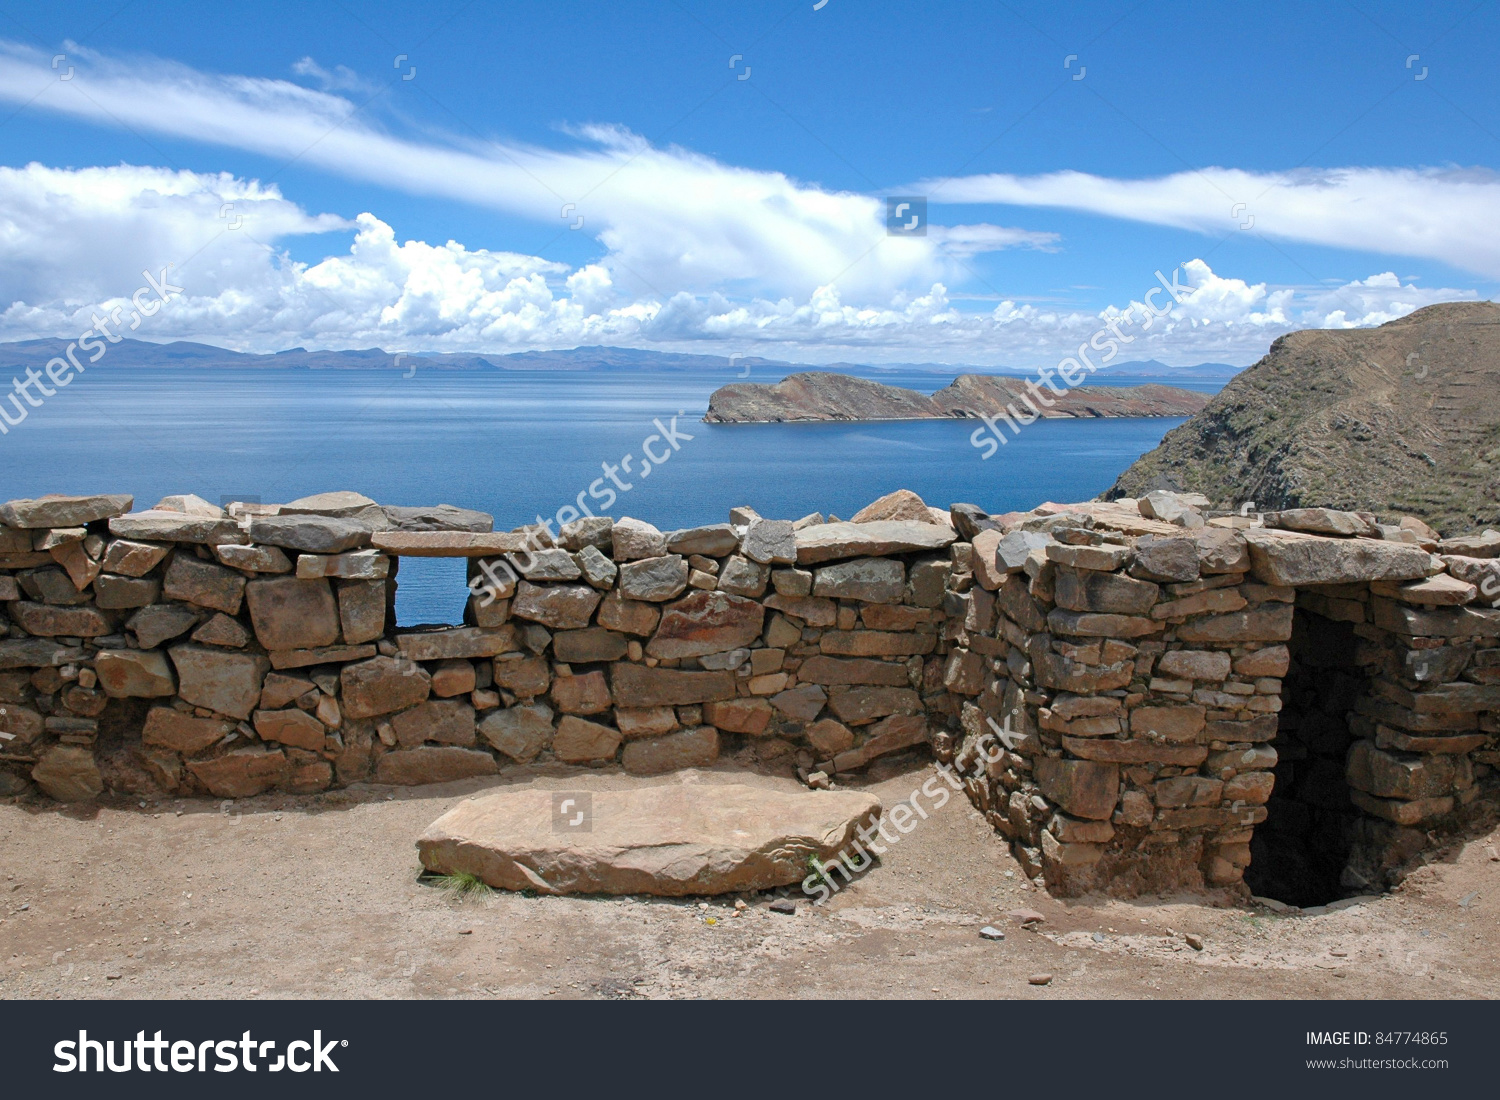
x: 1195, y: 942
x: 782, y: 905
x: 1339, y: 953
x: 990, y: 932
x: 1040, y: 979
x: 466, y: 931
x: 1024, y: 917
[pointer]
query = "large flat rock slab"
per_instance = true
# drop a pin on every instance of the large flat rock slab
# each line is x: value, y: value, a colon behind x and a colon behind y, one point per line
x: 670, y: 840
x: 1293, y: 558
x: 832, y: 541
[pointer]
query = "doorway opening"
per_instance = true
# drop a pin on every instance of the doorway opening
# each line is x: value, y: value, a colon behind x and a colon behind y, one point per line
x: 1300, y: 853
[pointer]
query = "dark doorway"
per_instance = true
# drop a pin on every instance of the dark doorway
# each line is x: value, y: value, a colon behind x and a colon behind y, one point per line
x: 1299, y: 854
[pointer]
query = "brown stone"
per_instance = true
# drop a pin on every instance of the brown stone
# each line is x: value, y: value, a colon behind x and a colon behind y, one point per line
x: 832, y: 670
x: 43, y: 621
x: 578, y: 741
x: 1177, y: 724
x: 382, y: 685
x: 1054, y: 670
x: 172, y: 729
x: 810, y: 609
x: 1217, y: 601
x: 830, y: 737
x: 204, y: 584
x: 1403, y: 812
x: 1267, y: 623
x: 1085, y: 624
x: 450, y: 721
x: 862, y: 704
x: 224, y: 682
x: 695, y: 748
x: 1189, y: 790
x: 586, y: 646
x: 670, y: 839
x: 253, y: 559
x: 115, y: 592
x: 459, y: 643
x: 1084, y: 788
x: 291, y: 612
x: 1439, y: 591
x: 1296, y: 559
x: 324, y: 655
x: 748, y: 715
x: 134, y: 674
x: 223, y: 631
x: 1194, y: 664
x: 647, y: 721
x: 278, y: 690
x: 433, y: 764
x: 902, y: 504
x: 527, y: 677
x: 452, y: 678
x: 802, y: 703
x: 964, y: 673
x: 628, y: 616
x: 705, y: 623
x: 241, y: 774
x: 290, y: 727
x: 1271, y: 660
x: 1135, y: 751
x: 1410, y: 778
x: 558, y: 606
x: 585, y: 694
x: 521, y: 733
x: 448, y: 544
x: 68, y: 773
x: 875, y: 643
x: 362, y: 610
x: 637, y: 686
x: 1221, y: 551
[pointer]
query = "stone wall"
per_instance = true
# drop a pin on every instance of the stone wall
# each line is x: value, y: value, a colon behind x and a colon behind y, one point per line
x: 191, y: 650
x: 1141, y: 663
x: 1144, y: 695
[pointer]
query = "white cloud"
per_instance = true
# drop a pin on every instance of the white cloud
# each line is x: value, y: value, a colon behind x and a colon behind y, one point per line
x: 1440, y: 214
x: 77, y: 241
x: 670, y: 218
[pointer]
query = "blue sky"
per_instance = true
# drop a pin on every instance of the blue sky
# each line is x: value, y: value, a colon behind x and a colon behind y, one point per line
x: 1327, y: 165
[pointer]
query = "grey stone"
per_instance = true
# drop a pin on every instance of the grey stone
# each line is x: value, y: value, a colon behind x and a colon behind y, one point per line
x: 654, y: 580
x: 873, y: 580
x: 596, y: 568
x: 161, y: 622
x: 115, y: 592
x: 176, y: 527
x: 63, y: 511
x: 133, y: 559
x: 310, y: 534
x: 743, y: 577
x: 595, y: 531
x: 559, y: 606
x: 204, y: 584
x: 521, y: 732
x: 293, y: 612
x: 441, y: 517
x: 716, y: 540
x: 633, y: 540
x: 771, y: 542
x: 254, y: 559
x: 546, y: 565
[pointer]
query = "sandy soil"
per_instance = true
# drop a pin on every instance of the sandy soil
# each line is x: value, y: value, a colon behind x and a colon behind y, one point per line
x: 319, y: 897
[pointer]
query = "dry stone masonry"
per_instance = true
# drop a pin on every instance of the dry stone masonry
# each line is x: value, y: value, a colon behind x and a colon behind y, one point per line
x: 1303, y: 703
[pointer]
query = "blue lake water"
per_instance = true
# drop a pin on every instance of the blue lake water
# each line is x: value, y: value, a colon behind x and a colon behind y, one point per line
x: 523, y: 444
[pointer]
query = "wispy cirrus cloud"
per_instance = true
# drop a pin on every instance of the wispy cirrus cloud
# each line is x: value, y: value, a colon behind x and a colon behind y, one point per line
x: 668, y: 218
x: 1437, y: 214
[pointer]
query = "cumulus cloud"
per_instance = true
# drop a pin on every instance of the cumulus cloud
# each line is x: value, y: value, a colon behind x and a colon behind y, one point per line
x: 79, y: 239
x: 1440, y: 214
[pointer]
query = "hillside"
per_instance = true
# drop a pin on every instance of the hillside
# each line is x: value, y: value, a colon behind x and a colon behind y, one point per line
x: 1404, y: 418
x: 820, y: 395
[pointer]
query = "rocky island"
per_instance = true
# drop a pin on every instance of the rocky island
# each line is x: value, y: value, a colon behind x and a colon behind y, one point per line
x: 823, y: 395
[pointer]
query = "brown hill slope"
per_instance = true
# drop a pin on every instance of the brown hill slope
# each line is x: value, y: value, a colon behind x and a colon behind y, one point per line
x: 1404, y: 418
x: 822, y: 395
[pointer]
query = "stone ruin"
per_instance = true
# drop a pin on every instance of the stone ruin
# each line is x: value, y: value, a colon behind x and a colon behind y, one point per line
x: 1142, y: 696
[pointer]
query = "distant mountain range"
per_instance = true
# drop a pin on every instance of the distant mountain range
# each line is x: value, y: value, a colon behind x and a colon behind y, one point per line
x: 139, y: 353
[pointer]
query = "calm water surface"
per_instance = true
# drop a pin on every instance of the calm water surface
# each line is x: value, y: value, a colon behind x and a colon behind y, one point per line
x: 519, y: 444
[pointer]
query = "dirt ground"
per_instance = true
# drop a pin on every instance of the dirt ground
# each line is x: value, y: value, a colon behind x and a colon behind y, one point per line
x: 297, y: 897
